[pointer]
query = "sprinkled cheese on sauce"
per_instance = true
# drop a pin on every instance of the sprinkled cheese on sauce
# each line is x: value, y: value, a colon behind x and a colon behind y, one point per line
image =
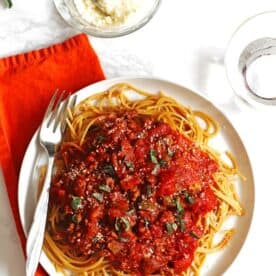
x: 102, y: 13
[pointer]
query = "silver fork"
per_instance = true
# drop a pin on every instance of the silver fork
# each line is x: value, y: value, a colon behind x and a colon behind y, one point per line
x: 50, y: 135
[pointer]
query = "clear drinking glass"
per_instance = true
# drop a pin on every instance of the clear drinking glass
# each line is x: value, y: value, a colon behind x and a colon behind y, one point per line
x: 250, y: 60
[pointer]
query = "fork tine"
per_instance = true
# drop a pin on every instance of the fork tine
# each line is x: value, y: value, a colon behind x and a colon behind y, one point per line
x: 61, y: 113
x: 50, y: 106
x: 55, y: 110
x: 71, y: 106
x: 73, y: 102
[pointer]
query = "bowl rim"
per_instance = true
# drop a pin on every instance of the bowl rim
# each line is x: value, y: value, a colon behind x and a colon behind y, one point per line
x: 64, y: 12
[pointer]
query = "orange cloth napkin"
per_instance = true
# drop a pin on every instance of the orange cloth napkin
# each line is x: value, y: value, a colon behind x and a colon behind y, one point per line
x: 27, y: 82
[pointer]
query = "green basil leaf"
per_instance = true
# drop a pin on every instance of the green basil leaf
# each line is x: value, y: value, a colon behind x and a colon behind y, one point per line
x: 98, y: 196
x: 169, y: 228
x: 129, y: 164
x: 122, y: 224
x: 122, y: 239
x: 109, y: 170
x: 117, y: 225
x: 163, y: 163
x: 105, y: 188
x: 170, y: 152
x: 174, y: 226
x: 182, y: 225
x: 126, y: 223
x: 179, y: 207
x: 75, y: 202
x: 194, y: 235
x: 156, y: 169
x: 188, y: 198
x: 153, y: 157
x: 131, y: 212
x: 74, y: 218
x: 100, y: 139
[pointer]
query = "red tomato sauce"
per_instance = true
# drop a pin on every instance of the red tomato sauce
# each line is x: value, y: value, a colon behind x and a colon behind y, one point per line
x: 134, y: 194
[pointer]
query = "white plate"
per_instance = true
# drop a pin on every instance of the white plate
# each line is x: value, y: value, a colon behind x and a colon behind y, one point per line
x: 228, y: 139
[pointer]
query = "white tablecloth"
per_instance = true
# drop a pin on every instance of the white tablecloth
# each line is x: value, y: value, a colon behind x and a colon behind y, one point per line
x: 185, y: 42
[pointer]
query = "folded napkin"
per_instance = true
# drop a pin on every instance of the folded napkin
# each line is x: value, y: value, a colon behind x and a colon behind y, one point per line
x: 27, y: 82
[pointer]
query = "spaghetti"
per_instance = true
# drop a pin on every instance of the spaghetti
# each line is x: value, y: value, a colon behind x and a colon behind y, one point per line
x: 138, y: 189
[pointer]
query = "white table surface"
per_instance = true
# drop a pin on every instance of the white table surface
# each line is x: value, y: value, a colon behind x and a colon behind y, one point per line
x: 185, y: 43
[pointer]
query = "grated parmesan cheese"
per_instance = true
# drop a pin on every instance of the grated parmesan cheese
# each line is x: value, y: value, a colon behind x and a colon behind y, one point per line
x: 104, y: 13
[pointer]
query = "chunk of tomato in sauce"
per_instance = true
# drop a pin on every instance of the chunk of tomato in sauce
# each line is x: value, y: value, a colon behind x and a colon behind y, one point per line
x: 183, y: 263
x: 152, y: 265
x: 205, y: 202
x: 130, y: 182
x: 58, y: 194
x: 141, y: 151
x: 93, y: 226
x: 167, y: 184
x: 119, y: 201
x: 127, y: 150
x: 80, y: 186
x: 167, y: 216
x: 115, y: 213
x: 161, y: 130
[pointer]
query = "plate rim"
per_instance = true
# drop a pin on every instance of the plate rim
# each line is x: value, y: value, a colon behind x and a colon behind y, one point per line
x: 112, y: 81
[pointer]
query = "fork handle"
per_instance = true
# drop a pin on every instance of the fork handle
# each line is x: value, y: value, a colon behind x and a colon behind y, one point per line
x: 36, y: 233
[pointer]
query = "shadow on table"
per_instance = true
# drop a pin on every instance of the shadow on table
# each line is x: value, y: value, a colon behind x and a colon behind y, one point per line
x: 212, y: 80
